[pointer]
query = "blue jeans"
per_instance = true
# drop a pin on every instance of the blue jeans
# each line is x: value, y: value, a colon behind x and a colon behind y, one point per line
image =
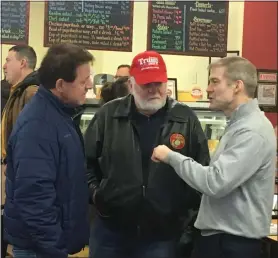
x: 108, y: 243
x: 23, y: 253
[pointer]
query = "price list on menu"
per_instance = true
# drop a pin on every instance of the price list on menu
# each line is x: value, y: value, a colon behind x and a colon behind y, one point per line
x: 103, y: 25
x: 188, y: 27
x: 167, y: 26
x: 14, y: 22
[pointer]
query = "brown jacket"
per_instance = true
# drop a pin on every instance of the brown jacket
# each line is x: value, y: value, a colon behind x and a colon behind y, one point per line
x: 20, y: 95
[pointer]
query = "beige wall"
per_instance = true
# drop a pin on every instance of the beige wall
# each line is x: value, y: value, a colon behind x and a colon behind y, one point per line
x: 185, y: 68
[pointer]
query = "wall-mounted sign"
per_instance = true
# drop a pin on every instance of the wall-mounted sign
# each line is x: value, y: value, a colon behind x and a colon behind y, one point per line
x: 188, y: 27
x: 229, y: 53
x: 197, y: 92
x: 267, y: 77
x: 15, y: 22
x: 267, y: 94
x: 172, y: 88
x: 101, y: 25
x: 267, y: 90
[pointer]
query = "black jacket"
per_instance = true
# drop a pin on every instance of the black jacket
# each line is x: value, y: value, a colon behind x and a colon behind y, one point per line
x: 115, y: 169
x: 5, y: 93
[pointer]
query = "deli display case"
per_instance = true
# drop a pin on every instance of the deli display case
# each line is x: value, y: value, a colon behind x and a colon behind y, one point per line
x: 89, y: 110
x: 212, y: 122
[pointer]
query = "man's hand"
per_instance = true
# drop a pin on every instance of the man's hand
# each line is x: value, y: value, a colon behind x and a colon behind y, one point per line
x: 160, y: 153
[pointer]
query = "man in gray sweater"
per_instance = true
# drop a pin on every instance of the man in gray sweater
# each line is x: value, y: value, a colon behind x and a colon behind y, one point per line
x: 238, y: 185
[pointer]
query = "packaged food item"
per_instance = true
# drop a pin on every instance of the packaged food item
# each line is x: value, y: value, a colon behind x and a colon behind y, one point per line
x: 212, y: 144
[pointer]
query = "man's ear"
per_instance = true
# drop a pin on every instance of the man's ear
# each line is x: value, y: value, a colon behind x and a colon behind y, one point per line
x: 239, y: 86
x: 59, y: 85
x: 130, y: 84
x: 23, y: 63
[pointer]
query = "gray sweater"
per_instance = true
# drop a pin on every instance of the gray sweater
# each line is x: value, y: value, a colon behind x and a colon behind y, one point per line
x: 238, y: 185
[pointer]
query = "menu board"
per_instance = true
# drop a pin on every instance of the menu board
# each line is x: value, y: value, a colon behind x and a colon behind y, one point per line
x: 15, y: 22
x: 188, y: 27
x: 103, y: 25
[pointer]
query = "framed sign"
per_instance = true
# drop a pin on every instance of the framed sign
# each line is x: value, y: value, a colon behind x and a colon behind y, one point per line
x: 232, y: 53
x: 15, y: 22
x: 266, y: 92
x: 172, y: 88
x: 97, y: 25
x: 267, y: 76
x: 188, y: 27
x: 229, y: 53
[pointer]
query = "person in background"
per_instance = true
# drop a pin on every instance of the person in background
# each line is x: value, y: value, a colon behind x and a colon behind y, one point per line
x: 237, y: 186
x: 17, y: 89
x: 19, y: 72
x: 122, y: 71
x: 46, y: 210
x: 141, y: 205
x: 5, y: 93
x: 113, y: 90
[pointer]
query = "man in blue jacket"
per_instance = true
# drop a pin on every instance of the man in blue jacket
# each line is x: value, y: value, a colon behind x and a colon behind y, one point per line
x: 47, y: 194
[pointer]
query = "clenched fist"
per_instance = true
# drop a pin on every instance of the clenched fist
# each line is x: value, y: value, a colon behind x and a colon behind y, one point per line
x: 160, y: 153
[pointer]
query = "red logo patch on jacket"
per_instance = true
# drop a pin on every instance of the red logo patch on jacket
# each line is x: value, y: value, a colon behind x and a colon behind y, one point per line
x: 177, y: 141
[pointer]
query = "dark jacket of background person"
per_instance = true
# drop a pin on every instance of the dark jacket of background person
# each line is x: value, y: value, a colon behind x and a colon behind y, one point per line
x: 20, y: 95
x: 5, y: 93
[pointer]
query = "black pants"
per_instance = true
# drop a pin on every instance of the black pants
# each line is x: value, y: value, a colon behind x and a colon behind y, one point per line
x: 226, y: 246
x: 4, y: 245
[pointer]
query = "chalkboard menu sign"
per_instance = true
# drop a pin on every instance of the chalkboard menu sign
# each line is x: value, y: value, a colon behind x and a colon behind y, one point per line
x: 188, y: 27
x: 15, y: 22
x: 99, y: 25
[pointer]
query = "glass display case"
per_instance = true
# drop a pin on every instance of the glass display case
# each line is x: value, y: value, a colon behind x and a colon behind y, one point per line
x: 213, y: 122
x: 90, y: 108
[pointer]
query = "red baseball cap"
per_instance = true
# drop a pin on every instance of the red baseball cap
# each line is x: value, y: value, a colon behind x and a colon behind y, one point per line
x: 148, y: 67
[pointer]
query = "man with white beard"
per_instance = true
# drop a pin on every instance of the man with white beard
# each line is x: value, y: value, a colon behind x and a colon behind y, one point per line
x: 142, y: 206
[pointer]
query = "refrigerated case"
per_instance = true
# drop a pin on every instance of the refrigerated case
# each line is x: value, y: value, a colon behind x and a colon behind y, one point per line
x: 212, y: 122
x: 90, y: 108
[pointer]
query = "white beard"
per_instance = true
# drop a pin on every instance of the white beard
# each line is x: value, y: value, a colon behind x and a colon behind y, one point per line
x: 148, y: 105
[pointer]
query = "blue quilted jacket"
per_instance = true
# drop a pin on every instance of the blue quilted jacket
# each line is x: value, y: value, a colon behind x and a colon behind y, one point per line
x: 47, y: 194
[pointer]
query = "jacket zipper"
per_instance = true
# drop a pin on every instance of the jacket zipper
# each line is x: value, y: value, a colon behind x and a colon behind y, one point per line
x: 143, y: 183
x: 158, y: 140
x: 144, y: 190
